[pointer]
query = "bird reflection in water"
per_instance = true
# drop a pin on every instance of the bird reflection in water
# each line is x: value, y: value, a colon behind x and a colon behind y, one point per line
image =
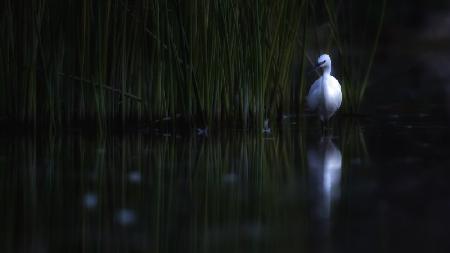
x: 325, y: 163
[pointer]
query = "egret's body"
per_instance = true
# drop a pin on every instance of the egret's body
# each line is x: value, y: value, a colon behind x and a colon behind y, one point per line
x: 325, y: 95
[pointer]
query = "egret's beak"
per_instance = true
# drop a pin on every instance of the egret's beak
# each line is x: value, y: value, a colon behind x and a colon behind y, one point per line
x: 318, y: 65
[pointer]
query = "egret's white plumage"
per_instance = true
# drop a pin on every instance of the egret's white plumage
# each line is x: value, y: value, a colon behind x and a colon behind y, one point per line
x: 325, y: 94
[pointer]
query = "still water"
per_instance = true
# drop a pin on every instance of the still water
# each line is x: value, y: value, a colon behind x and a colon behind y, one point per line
x: 365, y: 186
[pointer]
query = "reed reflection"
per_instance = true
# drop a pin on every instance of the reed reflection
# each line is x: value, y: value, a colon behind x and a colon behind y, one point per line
x: 225, y: 193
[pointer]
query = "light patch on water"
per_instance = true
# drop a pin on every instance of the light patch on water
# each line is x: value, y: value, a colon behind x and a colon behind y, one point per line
x: 90, y: 200
x: 230, y: 178
x: 126, y: 217
x: 134, y: 177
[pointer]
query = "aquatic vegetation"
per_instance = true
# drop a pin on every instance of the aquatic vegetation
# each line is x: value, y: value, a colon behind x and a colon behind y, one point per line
x: 205, y: 62
x: 358, y: 24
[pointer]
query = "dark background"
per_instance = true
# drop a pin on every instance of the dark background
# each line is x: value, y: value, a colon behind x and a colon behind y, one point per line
x: 412, y: 69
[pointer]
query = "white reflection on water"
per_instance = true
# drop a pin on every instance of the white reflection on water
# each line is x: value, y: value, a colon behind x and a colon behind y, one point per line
x: 134, y: 177
x: 90, y: 200
x: 126, y: 217
x: 325, y: 162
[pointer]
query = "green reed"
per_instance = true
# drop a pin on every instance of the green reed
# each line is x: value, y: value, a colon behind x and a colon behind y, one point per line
x: 349, y: 28
x: 207, y: 62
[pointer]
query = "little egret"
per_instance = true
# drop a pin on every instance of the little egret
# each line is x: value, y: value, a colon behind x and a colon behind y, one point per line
x: 325, y: 95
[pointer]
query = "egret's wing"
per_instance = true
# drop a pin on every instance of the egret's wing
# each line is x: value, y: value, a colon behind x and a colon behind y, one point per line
x: 337, y: 93
x: 314, y: 95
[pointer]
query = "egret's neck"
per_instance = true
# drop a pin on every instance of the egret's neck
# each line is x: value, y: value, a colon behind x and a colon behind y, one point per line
x: 326, y: 73
x: 327, y: 70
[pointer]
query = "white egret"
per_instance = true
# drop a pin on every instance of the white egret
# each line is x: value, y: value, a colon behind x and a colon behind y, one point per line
x: 325, y: 94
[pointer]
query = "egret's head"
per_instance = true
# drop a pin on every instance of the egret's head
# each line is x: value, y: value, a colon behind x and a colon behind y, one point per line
x: 323, y: 61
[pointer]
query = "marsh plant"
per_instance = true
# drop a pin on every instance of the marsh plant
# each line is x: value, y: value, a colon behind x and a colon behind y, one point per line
x: 227, y: 61
x: 349, y: 27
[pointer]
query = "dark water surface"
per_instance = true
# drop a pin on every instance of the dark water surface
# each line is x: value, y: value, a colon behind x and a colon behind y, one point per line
x: 369, y: 186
